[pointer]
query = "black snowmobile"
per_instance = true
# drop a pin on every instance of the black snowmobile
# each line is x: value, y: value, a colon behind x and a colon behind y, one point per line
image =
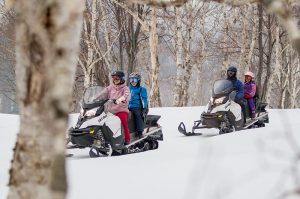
x: 102, y: 131
x: 224, y: 114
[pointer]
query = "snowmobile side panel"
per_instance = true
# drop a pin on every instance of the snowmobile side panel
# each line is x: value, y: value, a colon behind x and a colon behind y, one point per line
x: 115, y: 142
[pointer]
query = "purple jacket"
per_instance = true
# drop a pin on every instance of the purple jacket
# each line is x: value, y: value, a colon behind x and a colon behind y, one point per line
x: 250, y: 88
x: 115, y: 92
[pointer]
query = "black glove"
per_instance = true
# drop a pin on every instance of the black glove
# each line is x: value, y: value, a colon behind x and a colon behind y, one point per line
x: 145, y: 111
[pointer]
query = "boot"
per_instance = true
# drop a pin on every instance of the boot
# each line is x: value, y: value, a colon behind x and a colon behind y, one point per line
x: 127, y: 142
x: 139, y: 135
x: 253, y: 116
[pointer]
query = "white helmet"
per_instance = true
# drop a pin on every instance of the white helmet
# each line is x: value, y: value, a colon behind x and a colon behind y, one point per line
x: 249, y: 74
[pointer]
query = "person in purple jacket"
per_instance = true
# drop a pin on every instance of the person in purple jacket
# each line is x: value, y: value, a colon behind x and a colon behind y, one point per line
x: 249, y: 92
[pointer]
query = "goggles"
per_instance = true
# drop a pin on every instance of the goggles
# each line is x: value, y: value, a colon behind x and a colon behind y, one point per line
x: 230, y: 73
x: 133, y: 79
x: 115, y: 77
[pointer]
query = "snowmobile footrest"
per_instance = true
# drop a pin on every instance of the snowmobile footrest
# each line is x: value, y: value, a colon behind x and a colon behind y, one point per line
x: 182, y: 129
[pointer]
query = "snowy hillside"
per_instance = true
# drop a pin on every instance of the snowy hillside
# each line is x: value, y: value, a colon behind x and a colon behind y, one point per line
x: 252, y: 164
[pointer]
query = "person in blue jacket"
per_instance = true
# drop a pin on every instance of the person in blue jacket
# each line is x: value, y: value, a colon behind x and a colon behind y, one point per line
x: 238, y: 87
x: 138, y: 104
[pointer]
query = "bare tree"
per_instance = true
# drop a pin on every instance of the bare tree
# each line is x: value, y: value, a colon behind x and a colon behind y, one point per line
x: 47, y: 41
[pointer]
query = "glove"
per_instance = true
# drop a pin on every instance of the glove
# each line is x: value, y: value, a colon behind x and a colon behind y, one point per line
x: 247, y: 96
x: 145, y: 111
x: 120, y: 99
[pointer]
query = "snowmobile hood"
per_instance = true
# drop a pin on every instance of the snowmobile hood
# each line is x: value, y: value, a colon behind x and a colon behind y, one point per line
x: 221, y: 88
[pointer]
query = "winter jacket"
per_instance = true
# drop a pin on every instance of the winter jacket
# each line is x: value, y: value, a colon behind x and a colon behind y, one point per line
x: 139, y: 98
x: 250, y: 89
x: 238, y: 86
x: 115, y: 92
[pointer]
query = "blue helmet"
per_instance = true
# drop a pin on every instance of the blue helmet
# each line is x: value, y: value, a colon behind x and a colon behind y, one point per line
x: 135, y: 77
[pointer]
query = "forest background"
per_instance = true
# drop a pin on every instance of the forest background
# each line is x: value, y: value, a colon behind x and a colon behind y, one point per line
x: 51, y: 50
x: 195, y: 44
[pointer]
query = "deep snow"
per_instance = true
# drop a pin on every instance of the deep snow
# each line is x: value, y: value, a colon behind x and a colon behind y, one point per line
x: 252, y: 164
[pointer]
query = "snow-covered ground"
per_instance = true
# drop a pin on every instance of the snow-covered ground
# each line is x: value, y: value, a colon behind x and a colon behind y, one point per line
x: 252, y: 164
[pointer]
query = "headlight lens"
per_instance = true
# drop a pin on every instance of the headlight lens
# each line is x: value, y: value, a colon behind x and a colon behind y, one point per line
x: 91, y: 113
x: 219, y: 100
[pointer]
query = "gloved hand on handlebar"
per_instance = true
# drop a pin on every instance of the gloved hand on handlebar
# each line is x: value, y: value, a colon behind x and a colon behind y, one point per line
x: 145, y: 111
x: 120, y: 100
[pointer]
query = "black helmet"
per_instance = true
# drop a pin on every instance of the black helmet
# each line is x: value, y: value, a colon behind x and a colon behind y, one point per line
x: 120, y: 74
x: 232, y: 68
x: 231, y: 72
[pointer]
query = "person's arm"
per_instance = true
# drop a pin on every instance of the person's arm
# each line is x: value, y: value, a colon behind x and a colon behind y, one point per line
x: 144, y: 97
x: 253, y: 90
x: 126, y: 94
x: 240, y: 88
x: 125, y: 97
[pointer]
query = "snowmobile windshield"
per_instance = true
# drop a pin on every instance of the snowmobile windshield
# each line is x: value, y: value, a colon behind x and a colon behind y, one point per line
x: 93, y: 94
x: 221, y: 88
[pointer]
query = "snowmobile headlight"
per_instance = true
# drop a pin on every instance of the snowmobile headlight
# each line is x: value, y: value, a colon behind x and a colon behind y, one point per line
x: 219, y: 100
x: 91, y: 113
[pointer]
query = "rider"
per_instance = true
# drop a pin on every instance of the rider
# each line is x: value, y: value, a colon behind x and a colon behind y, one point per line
x: 120, y: 92
x: 238, y: 86
x: 138, y: 104
x: 250, y: 90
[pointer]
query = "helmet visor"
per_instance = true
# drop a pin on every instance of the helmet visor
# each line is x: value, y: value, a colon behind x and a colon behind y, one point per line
x: 230, y: 73
x: 115, y: 77
x: 133, y: 79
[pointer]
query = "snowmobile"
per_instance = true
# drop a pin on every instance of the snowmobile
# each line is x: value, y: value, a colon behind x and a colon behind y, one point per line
x: 224, y: 114
x: 103, y: 132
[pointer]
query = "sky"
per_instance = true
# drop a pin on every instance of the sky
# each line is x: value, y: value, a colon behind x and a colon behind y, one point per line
x: 251, y: 164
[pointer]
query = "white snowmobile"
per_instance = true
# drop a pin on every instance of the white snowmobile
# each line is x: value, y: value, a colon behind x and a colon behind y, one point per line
x: 102, y: 131
x: 226, y: 115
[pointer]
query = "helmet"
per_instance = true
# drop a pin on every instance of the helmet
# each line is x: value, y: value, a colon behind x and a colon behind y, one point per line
x: 120, y: 74
x: 249, y: 73
x: 135, y: 77
x: 232, y: 68
x: 231, y: 72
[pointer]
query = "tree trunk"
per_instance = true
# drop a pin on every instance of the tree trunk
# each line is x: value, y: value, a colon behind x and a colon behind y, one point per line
x: 260, y: 48
x: 268, y: 61
x: 179, y: 59
x: 154, y: 98
x: 276, y: 70
x: 252, y: 44
x: 90, y: 39
x: 188, y: 61
x: 225, y: 52
x: 47, y: 42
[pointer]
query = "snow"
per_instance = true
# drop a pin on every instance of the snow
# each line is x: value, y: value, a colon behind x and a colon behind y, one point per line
x: 256, y: 163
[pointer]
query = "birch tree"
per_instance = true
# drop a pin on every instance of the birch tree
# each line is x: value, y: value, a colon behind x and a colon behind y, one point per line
x: 47, y: 38
x: 179, y: 58
x: 154, y: 98
x: 88, y: 62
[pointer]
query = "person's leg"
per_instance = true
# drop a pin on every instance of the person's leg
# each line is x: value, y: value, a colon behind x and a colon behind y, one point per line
x: 139, y: 123
x: 124, y: 120
x: 252, y: 107
x: 243, y: 107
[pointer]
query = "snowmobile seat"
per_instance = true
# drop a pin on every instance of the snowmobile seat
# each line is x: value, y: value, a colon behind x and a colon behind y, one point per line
x: 261, y: 106
x: 151, y: 120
